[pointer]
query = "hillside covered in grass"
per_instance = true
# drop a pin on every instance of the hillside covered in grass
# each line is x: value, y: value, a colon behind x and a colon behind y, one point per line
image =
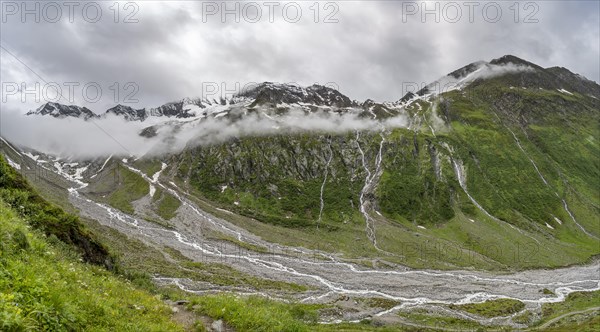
x: 46, y: 280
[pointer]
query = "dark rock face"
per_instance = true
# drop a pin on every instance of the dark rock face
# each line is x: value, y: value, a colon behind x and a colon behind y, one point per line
x: 533, y: 76
x: 506, y: 59
x: 577, y: 82
x: 328, y: 96
x: 148, y: 132
x: 174, y: 109
x: 128, y: 113
x: 554, y: 78
x: 178, y: 109
x: 272, y: 93
x: 182, y: 108
x: 408, y: 96
x: 466, y: 70
x: 62, y: 111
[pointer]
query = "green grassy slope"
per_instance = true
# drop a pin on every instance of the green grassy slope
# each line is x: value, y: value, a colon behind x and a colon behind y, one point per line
x: 117, y: 186
x: 48, y: 218
x: 44, y: 285
x: 131, y: 187
x: 166, y: 204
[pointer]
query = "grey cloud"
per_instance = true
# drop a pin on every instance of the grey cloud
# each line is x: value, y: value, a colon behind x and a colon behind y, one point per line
x: 370, y: 53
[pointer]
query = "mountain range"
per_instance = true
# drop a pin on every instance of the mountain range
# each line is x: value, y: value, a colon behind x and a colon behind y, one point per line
x: 266, y: 93
x: 277, y: 95
x: 362, y: 211
x: 497, y: 152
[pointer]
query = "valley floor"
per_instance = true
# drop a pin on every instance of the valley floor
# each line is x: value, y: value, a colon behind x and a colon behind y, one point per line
x: 329, y: 278
x: 230, y: 276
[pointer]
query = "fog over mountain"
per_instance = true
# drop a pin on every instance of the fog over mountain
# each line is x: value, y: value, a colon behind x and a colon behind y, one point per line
x: 269, y: 108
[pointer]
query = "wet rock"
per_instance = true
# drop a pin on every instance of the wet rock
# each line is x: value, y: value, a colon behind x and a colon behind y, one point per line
x: 217, y: 326
x: 148, y: 132
x: 377, y: 322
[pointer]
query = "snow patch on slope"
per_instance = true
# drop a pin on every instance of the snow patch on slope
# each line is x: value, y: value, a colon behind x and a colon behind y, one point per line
x: 13, y: 164
x: 565, y: 91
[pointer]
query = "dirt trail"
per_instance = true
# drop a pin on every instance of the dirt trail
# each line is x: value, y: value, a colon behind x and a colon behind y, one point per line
x: 556, y: 319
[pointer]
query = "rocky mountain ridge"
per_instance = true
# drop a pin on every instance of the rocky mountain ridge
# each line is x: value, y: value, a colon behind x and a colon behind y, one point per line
x: 276, y: 99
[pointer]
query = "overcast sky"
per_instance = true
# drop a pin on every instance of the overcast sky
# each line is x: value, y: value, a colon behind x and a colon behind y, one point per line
x: 368, y: 49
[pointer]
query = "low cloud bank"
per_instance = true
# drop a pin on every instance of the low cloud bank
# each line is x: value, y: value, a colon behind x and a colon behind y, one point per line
x: 79, y: 139
x: 482, y: 71
x: 72, y: 137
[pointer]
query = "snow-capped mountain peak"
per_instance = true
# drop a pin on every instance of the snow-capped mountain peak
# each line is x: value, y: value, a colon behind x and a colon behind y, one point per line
x: 275, y: 93
x: 62, y: 111
x: 127, y: 113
